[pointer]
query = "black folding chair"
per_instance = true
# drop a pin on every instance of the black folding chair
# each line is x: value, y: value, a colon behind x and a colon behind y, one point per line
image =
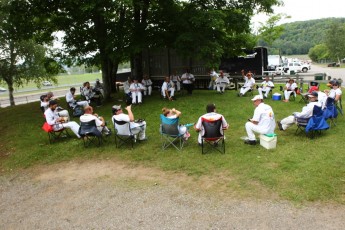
x: 213, y: 137
x: 90, y: 134
x: 123, y: 134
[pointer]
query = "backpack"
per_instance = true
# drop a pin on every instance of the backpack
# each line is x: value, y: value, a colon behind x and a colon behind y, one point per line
x: 78, y: 111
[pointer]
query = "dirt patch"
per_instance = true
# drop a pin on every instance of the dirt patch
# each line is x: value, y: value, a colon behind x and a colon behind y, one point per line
x: 111, y: 194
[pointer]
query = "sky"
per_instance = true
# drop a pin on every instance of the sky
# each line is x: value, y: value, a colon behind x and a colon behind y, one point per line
x: 303, y: 10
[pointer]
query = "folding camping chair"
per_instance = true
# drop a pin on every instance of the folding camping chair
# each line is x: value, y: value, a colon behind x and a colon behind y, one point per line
x: 90, y: 134
x: 170, y: 135
x: 123, y: 134
x: 316, y: 123
x: 54, y: 135
x: 330, y: 111
x: 213, y: 137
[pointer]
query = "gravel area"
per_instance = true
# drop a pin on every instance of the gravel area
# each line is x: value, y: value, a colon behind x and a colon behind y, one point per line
x: 113, y: 195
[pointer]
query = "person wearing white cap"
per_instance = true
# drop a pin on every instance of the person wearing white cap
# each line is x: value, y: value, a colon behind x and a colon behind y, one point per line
x: 263, y: 121
x: 137, y: 128
x: 307, y: 111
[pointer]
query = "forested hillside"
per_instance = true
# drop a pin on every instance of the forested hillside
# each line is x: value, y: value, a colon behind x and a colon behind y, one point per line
x: 299, y: 37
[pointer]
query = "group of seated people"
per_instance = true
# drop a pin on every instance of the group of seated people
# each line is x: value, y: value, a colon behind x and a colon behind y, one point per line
x: 316, y: 98
x: 134, y: 89
x: 93, y: 93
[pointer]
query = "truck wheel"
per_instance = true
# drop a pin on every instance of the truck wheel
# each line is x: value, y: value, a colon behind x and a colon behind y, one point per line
x: 304, y: 70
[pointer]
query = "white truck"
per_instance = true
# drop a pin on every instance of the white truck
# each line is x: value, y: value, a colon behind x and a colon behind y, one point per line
x: 295, y: 67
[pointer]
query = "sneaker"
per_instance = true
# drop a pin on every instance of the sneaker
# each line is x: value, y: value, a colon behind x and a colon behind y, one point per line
x: 280, y: 126
x: 144, y: 139
x: 250, y: 142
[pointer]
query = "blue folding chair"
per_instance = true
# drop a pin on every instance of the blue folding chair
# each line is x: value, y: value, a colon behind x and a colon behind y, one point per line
x: 170, y: 134
x: 316, y: 123
x: 330, y: 111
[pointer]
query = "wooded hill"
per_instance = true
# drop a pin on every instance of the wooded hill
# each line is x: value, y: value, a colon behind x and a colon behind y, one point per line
x: 299, y: 37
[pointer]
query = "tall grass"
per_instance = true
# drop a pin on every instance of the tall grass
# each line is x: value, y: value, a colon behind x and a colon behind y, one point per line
x: 299, y: 169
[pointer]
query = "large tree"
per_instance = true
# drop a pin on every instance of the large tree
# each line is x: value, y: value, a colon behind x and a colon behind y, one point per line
x: 21, y: 58
x: 335, y: 41
x: 108, y: 32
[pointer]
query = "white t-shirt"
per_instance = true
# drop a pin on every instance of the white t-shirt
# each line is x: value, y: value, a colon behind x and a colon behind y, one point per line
x: 90, y: 117
x: 211, y: 116
x: 268, y: 84
x: 124, y: 129
x: 70, y: 98
x: 291, y: 87
x: 224, y: 80
x: 334, y: 92
x: 264, y: 115
x: 167, y: 85
x: 136, y: 87
x: 187, y: 78
x: 248, y: 82
x: 307, y: 111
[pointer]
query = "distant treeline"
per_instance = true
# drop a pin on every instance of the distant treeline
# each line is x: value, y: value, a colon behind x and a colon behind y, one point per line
x: 299, y: 37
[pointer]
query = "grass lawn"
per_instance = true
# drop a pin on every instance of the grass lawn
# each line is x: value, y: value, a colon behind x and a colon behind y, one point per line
x: 299, y: 169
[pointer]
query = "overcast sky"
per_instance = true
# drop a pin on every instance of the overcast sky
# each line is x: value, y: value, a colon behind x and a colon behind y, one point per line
x: 302, y: 10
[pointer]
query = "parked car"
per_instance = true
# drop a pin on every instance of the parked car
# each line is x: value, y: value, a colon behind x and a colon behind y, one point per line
x: 296, y: 67
x: 2, y: 89
x: 47, y: 83
x: 333, y: 64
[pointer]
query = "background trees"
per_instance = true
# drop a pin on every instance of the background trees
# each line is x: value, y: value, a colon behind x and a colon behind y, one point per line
x: 22, y: 59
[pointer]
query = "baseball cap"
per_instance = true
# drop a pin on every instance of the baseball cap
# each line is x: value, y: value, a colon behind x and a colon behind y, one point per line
x: 336, y: 83
x: 116, y: 108
x: 257, y: 97
x: 314, y: 94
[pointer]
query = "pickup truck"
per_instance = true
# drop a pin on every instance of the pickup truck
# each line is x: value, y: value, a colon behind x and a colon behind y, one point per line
x: 294, y: 66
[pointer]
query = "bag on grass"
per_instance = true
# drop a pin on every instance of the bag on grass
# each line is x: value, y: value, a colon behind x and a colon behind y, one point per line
x: 78, y: 111
x: 46, y: 127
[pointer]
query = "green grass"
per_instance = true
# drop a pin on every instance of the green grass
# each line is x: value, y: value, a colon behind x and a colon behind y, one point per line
x: 299, y: 169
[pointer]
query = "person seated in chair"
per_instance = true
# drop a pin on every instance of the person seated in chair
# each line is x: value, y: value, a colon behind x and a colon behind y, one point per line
x: 307, y: 112
x: 175, y: 78
x: 262, y: 121
x: 90, y: 95
x: 168, y: 90
x: 45, y: 105
x: 70, y: 99
x: 248, y: 83
x: 136, y: 90
x: 53, y: 119
x: 210, y: 115
x: 213, y: 76
x: 335, y: 91
x: 147, y: 83
x: 266, y: 87
x: 98, y: 87
x: 172, y: 114
x: 90, y: 116
x: 221, y: 82
x: 188, y: 81
x: 289, y: 89
x: 137, y: 128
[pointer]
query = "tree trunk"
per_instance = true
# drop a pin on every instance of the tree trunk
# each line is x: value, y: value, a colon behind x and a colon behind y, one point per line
x: 136, y: 66
x: 10, y: 92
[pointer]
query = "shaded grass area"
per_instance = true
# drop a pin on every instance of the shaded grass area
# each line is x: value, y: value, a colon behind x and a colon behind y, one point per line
x: 299, y: 169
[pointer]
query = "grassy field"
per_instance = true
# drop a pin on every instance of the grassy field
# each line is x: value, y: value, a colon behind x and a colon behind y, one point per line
x: 299, y: 169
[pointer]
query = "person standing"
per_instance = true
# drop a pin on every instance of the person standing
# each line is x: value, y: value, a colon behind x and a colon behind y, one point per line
x: 188, y: 81
x: 262, y: 122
